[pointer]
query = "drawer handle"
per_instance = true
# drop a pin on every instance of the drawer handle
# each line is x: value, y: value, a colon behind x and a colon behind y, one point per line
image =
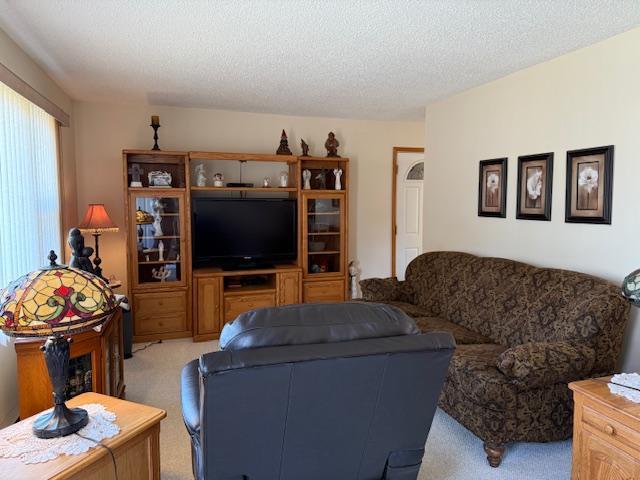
x: 609, y: 430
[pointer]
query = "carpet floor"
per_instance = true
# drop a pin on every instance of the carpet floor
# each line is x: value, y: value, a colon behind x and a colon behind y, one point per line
x: 452, y: 452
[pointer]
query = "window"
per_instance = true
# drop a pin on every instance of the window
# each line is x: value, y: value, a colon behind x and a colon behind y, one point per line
x: 416, y: 172
x: 29, y: 195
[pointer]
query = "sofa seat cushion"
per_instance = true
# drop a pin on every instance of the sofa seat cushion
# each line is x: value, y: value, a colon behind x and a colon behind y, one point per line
x: 474, y: 375
x: 410, y: 309
x: 310, y: 323
x: 462, y: 335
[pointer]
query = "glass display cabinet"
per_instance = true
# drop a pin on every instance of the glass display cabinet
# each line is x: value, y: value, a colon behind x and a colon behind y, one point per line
x: 323, y: 227
x: 159, y: 239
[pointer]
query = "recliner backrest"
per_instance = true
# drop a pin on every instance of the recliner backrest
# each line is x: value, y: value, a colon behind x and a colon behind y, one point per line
x: 349, y: 410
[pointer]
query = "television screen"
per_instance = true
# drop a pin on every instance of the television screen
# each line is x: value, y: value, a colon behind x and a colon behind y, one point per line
x: 228, y: 231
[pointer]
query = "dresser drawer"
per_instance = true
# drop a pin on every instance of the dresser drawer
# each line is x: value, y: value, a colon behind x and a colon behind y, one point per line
x: 609, y: 428
x: 160, y: 312
x: 324, y: 291
x: 235, y: 305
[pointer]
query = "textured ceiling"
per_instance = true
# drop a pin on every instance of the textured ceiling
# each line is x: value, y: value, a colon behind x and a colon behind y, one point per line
x: 380, y: 59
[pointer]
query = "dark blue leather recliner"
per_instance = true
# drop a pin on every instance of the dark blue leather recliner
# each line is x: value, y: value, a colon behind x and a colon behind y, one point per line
x: 304, y: 392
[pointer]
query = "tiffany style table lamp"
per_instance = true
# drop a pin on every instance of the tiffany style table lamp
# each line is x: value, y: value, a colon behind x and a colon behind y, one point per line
x: 52, y: 302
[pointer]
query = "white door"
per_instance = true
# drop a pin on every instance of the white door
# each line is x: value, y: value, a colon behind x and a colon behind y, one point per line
x: 409, y: 185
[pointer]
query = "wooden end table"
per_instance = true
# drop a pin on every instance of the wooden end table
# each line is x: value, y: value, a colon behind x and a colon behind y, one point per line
x: 136, y: 448
x: 606, y: 433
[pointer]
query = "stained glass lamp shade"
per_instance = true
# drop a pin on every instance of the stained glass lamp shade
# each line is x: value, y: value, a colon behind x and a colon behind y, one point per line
x: 51, y: 302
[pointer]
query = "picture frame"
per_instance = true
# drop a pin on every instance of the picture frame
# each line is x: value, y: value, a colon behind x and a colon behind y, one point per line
x: 492, y: 188
x: 535, y: 187
x: 589, y: 185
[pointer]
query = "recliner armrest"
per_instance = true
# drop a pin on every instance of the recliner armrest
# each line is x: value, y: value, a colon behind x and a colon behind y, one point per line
x: 536, y: 364
x: 385, y: 290
x: 190, y: 395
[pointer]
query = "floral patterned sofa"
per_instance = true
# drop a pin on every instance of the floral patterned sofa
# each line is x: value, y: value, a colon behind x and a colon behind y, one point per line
x: 522, y: 332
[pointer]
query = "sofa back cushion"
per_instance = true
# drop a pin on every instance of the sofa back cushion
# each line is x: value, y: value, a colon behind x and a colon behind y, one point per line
x: 315, y: 323
x: 514, y: 303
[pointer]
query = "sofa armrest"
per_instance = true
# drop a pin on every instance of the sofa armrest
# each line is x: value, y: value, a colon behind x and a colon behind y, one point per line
x: 385, y: 290
x: 537, y: 364
x: 190, y: 397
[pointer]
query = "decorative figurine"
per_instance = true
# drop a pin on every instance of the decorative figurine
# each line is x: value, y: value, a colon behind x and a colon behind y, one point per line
x: 332, y: 145
x: 305, y: 148
x: 337, y: 172
x: 284, y: 179
x: 218, y: 180
x: 158, y: 205
x: 79, y: 253
x: 201, y: 179
x: 306, y: 176
x: 283, y: 149
x: 135, y: 171
x: 322, y: 179
x: 161, y: 251
x: 161, y: 273
x: 266, y: 182
x: 158, y: 179
x: 157, y: 225
x: 155, y: 124
x: 354, y: 274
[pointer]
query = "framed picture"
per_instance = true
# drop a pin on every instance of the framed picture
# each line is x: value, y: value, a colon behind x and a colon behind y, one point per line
x: 589, y: 185
x: 492, y: 188
x: 535, y: 182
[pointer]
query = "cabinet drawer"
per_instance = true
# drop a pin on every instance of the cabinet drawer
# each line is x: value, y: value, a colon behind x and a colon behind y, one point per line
x: 160, y: 312
x: 324, y: 291
x: 234, y: 306
x: 609, y: 428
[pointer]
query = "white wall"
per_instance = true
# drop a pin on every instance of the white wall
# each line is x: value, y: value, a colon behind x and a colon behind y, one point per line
x: 587, y: 98
x: 16, y: 60
x: 103, y: 130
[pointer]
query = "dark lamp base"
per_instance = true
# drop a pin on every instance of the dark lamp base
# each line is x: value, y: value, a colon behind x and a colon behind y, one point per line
x: 60, y: 421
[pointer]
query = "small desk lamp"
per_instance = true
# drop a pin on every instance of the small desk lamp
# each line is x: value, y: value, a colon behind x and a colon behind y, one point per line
x: 96, y: 221
x: 52, y: 302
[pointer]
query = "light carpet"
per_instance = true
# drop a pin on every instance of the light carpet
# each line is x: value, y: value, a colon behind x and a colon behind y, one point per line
x: 452, y: 452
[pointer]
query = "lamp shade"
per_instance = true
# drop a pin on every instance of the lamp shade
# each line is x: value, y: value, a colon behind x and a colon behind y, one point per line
x: 55, y: 299
x: 97, y: 220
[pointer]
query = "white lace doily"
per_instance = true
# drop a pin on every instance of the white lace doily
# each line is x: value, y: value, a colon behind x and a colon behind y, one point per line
x: 632, y: 380
x: 18, y: 441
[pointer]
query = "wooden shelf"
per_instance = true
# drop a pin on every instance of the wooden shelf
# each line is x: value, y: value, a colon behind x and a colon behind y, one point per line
x: 250, y: 157
x: 163, y: 237
x: 317, y: 190
x: 159, y: 262
x: 318, y: 214
x: 245, y: 189
x: 323, y: 233
x: 156, y: 190
x: 248, y: 290
x: 323, y: 159
x: 327, y: 252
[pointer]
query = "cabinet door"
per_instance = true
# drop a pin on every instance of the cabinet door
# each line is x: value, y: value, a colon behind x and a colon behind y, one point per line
x: 158, y: 313
x: 323, y: 230
x: 158, y: 253
x: 288, y: 288
x: 324, y: 291
x: 602, y: 461
x: 207, y: 305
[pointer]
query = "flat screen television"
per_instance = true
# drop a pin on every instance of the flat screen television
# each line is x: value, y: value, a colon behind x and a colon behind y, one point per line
x: 243, y: 233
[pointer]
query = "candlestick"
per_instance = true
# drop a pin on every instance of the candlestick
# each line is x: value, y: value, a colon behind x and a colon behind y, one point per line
x: 155, y: 124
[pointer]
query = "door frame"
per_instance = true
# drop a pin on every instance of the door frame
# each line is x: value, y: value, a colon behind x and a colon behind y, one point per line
x: 394, y: 206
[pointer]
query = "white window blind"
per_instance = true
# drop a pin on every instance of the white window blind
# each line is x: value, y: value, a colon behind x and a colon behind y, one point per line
x: 29, y: 196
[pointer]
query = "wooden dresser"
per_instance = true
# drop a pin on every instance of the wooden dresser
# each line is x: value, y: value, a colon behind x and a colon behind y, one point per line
x: 606, y: 433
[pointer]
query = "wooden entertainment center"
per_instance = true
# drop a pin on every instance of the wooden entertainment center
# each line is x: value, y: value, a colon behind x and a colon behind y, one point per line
x: 171, y: 299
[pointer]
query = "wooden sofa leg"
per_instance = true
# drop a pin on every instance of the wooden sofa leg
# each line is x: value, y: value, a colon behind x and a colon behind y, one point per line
x: 494, y: 454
